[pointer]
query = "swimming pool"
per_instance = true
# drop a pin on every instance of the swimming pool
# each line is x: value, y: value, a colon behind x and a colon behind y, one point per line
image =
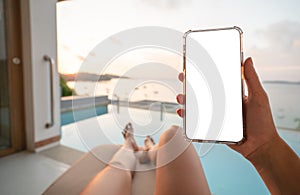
x: 81, y: 114
x: 227, y: 171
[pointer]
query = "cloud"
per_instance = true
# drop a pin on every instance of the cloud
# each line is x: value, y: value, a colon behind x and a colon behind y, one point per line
x: 282, y: 34
x: 279, y: 51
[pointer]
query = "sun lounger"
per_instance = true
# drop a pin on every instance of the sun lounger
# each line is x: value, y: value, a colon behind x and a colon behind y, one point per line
x: 74, y: 180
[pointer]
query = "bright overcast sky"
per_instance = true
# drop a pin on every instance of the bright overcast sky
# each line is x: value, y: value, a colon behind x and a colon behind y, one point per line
x: 271, y: 27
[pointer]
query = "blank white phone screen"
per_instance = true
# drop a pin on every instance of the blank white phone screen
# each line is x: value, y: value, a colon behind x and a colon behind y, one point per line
x: 224, y: 49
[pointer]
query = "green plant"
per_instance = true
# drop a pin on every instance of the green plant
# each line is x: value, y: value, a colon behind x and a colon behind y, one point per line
x: 65, y: 89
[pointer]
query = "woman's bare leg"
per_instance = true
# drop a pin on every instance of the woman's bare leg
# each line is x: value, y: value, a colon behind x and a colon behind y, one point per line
x: 110, y: 181
x: 182, y: 174
x: 116, y: 178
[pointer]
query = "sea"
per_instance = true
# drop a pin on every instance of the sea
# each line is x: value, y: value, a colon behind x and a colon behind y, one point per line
x: 285, y: 104
x: 284, y: 96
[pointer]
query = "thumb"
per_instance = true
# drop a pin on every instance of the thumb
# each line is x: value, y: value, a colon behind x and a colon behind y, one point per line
x: 251, y: 77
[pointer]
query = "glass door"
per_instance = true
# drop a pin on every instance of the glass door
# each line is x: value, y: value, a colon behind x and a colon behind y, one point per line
x: 12, y: 132
x: 5, y: 135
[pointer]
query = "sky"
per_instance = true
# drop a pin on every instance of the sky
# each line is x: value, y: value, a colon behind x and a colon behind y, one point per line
x: 271, y: 29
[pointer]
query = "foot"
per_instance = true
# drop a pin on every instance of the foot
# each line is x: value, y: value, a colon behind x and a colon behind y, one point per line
x: 129, y: 138
x: 149, y: 144
x: 127, y: 131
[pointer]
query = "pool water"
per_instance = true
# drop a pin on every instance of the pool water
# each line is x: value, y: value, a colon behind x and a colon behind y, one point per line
x: 81, y: 114
x: 227, y: 171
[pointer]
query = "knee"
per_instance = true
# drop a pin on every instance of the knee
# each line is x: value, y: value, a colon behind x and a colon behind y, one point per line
x: 168, y: 134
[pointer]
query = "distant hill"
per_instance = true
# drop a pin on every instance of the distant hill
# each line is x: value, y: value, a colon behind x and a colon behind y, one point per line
x: 89, y: 77
x: 282, y: 82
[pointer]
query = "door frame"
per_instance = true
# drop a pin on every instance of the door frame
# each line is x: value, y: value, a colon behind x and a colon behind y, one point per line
x: 12, y: 11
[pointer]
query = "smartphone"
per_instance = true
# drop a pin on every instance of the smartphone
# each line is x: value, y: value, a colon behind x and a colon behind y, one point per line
x: 213, y: 85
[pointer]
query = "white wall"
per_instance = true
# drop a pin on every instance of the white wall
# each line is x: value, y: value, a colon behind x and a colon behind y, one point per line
x: 39, y: 38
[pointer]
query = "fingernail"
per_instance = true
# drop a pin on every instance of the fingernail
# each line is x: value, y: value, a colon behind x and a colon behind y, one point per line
x: 180, y: 76
x: 179, y: 98
x: 179, y: 112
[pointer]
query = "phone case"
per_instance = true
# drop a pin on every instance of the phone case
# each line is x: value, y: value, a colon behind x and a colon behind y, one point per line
x: 186, y: 34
